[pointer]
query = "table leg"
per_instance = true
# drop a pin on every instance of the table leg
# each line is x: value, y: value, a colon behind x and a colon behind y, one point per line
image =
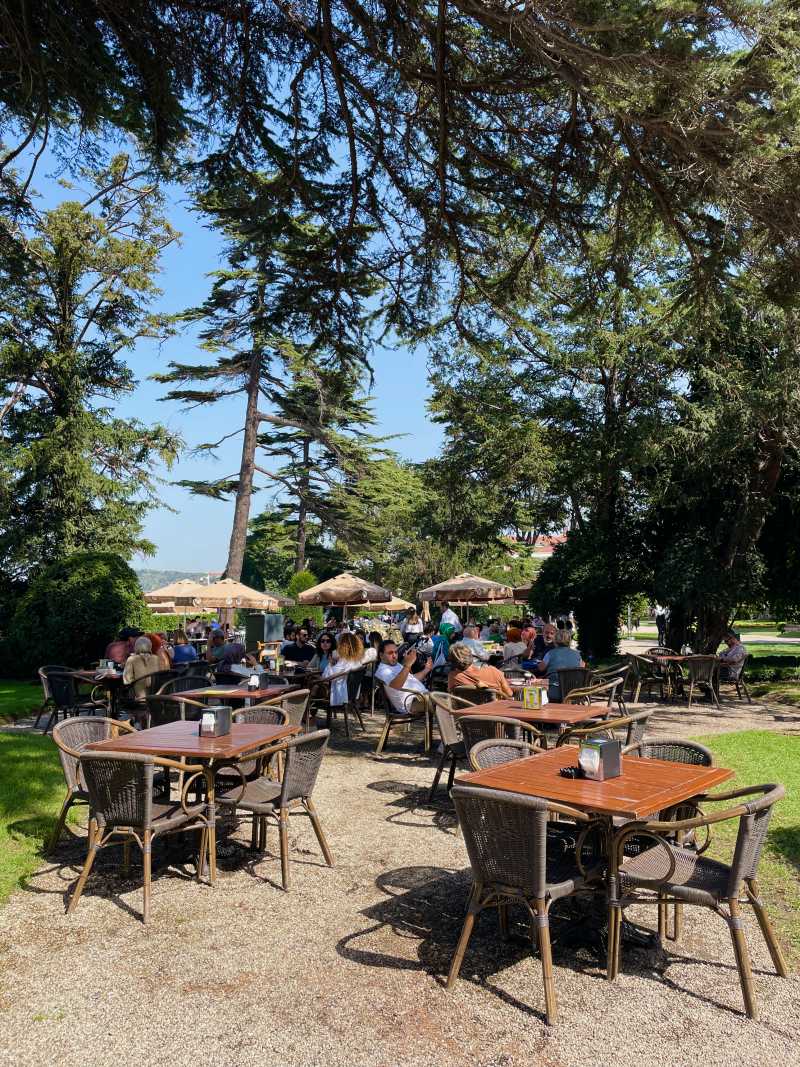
x: 212, y: 830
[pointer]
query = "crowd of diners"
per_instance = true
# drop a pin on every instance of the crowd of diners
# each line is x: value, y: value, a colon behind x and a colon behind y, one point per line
x: 428, y: 655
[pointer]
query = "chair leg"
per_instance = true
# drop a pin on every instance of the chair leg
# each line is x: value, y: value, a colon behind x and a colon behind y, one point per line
x: 614, y: 931
x: 766, y: 928
x: 691, y: 691
x: 147, y: 844
x: 60, y: 823
x: 346, y: 709
x: 382, y: 738
x: 662, y: 919
x: 502, y: 918
x: 546, y: 953
x: 742, y: 958
x: 466, y: 933
x: 437, y: 776
x: 283, y: 826
x: 262, y: 833
x: 126, y: 856
x: 357, y: 710
x: 202, y: 848
x: 452, y: 774
x: 323, y: 844
x: 95, y: 840
x: 255, y: 833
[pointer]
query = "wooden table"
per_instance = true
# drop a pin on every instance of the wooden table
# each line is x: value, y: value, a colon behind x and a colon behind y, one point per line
x: 232, y: 692
x: 111, y: 681
x: 561, y: 715
x: 183, y: 740
x: 646, y: 786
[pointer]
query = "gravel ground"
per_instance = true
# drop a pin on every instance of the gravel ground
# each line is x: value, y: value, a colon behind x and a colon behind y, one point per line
x: 347, y: 968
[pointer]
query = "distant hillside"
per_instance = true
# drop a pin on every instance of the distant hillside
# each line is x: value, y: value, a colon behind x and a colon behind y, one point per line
x: 150, y: 580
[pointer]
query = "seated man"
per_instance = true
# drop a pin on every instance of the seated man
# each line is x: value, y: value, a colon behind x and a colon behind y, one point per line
x: 396, y: 676
x: 300, y: 650
x: 733, y: 659
x: 119, y: 650
x: 470, y: 639
x: 543, y: 642
x: 224, y: 654
x: 464, y: 671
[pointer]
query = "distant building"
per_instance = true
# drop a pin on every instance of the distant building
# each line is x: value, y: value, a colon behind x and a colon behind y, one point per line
x: 542, y: 547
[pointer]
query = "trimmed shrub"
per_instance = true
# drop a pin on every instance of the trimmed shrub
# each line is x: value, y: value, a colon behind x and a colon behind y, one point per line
x: 71, y: 611
x: 300, y: 581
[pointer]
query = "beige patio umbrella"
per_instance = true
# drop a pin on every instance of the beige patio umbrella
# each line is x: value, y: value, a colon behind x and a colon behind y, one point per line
x: 522, y: 593
x: 398, y: 604
x: 467, y: 589
x: 228, y: 593
x: 344, y: 590
x: 166, y: 608
x: 181, y: 592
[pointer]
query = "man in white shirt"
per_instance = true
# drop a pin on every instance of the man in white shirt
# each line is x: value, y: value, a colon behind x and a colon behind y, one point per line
x: 470, y: 639
x: 450, y: 617
x: 396, y: 676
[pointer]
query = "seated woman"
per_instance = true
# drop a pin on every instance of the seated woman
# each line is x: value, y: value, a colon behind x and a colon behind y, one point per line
x: 141, y: 663
x: 350, y: 656
x: 183, y: 651
x: 326, y: 649
x: 560, y: 657
x: 464, y: 671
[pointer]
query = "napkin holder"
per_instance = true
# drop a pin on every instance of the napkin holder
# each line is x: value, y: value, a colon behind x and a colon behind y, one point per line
x: 531, y: 696
x: 215, y: 722
x: 600, y: 758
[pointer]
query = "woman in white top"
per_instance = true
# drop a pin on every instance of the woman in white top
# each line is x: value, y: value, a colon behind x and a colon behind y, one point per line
x: 412, y: 624
x: 349, y: 656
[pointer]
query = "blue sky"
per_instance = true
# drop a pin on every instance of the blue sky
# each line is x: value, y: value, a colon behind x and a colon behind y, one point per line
x: 194, y: 536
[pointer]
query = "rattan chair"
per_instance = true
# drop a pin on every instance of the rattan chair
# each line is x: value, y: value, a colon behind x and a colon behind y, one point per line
x: 47, y: 693
x: 351, y: 705
x: 120, y: 788
x: 264, y: 799
x: 643, y: 676
x: 477, y: 694
x: 702, y: 672
x: 603, y: 692
x: 494, y: 751
x: 506, y: 839
x: 162, y: 710
x: 611, y: 674
x: 660, y: 650
x: 634, y: 726
x: 67, y: 701
x: 419, y: 705
x: 739, y: 683
x: 71, y: 737
x: 184, y: 683
x: 475, y: 728
x: 669, y: 872
x: 673, y: 750
x: 570, y: 678
x: 452, y: 742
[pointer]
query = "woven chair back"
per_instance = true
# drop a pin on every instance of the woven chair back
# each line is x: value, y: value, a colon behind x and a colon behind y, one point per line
x: 570, y: 678
x: 184, y: 683
x: 354, y: 683
x: 295, y: 706
x: 264, y: 714
x: 45, y: 672
x: 602, y: 692
x: 676, y: 750
x: 492, y: 752
x: 120, y: 787
x: 162, y: 711
x: 505, y: 835
x: 661, y: 650
x: 448, y: 731
x: 76, y: 734
x: 701, y: 669
x: 303, y: 760
x: 63, y: 689
x: 475, y: 728
x: 752, y: 834
x: 475, y: 694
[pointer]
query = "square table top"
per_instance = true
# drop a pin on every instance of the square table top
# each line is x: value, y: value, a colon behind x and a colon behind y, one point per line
x: 183, y: 739
x: 549, y: 714
x: 232, y: 692
x: 646, y: 786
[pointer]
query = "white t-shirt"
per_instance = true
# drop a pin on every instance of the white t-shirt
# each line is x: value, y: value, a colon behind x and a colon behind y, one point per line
x: 449, y: 616
x: 386, y: 674
x: 411, y: 627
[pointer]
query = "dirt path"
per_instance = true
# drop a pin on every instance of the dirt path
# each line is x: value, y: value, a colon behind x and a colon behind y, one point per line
x: 347, y: 967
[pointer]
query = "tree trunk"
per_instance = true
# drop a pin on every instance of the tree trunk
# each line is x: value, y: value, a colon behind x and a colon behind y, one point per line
x: 244, y: 492
x: 302, y: 511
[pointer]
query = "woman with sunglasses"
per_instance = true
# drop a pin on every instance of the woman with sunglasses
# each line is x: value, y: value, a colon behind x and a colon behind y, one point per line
x: 326, y: 646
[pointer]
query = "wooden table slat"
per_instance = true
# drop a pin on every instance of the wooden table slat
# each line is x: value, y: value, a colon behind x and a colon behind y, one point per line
x: 646, y: 786
x: 233, y: 692
x: 183, y: 739
x: 549, y: 714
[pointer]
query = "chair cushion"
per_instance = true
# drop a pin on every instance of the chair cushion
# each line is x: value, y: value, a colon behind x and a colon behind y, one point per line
x: 694, y: 877
x: 258, y: 796
x: 168, y: 816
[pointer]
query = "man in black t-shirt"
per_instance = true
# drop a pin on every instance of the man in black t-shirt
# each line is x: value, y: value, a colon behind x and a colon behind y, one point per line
x: 300, y: 650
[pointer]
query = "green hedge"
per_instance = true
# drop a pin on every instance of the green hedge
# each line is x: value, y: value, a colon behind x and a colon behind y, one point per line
x: 71, y: 611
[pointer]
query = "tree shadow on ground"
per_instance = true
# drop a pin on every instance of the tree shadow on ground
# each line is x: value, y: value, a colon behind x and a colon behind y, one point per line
x: 411, y: 799
x: 785, y: 840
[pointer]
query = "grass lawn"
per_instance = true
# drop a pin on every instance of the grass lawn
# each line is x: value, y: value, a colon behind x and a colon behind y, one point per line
x: 759, y: 756
x: 18, y: 699
x: 31, y: 791
x: 776, y: 692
